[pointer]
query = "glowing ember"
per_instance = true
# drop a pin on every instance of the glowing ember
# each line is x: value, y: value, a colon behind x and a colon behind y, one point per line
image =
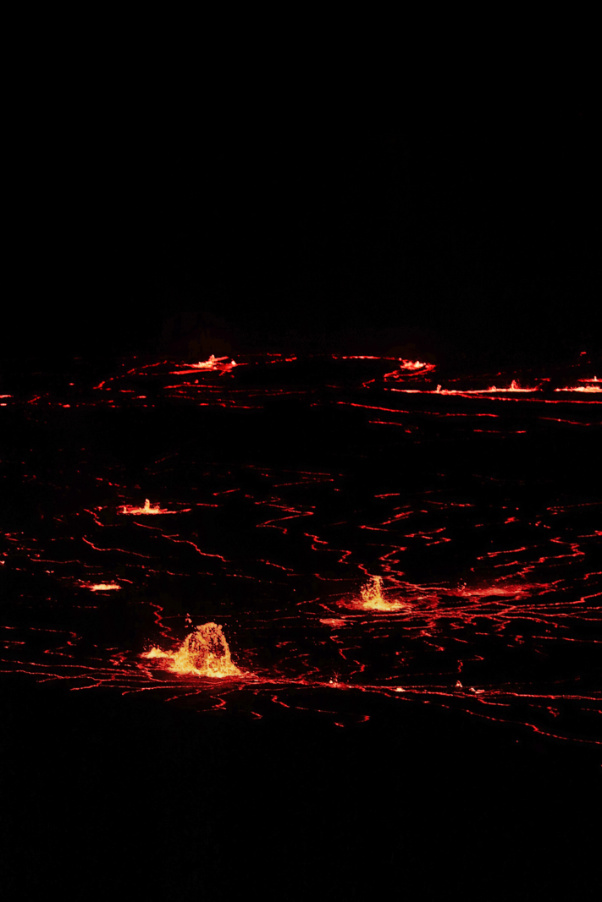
x: 147, y: 509
x: 101, y: 587
x: 373, y: 600
x: 204, y: 652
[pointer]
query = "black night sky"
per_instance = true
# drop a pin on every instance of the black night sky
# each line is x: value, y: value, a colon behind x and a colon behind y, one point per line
x: 234, y: 217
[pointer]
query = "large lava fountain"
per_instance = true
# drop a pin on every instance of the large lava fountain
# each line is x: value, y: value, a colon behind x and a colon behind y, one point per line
x: 204, y: 652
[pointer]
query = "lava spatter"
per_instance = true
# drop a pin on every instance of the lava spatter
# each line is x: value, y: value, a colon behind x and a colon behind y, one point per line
x: 145, y: 510
x: 204, y: 652
x: 372, y: 598
x: 212, y: 364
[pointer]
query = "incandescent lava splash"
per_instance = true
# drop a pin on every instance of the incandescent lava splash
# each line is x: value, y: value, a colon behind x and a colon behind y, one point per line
x: 204, y: 652
x: 213, y: 364
x: 373, y: 599
x: 410, y: 368
x: 147, y: 509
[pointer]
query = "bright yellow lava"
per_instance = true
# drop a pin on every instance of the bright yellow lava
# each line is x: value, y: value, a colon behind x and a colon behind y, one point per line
x: 372, y: 598
x: 204, y: 652
x: 147, y: 509
x: 581, y: 388
x: 213, y: 363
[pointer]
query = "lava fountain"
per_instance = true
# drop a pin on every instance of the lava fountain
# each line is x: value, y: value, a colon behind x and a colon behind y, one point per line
x: 204, y: 652
x: 147, y: 509
x: 372, y: 598
x: 410, y: 368
x: 220, y: 365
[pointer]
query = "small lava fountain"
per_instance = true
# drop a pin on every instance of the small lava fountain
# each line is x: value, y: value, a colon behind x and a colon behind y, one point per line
x: 204, y: 652
x: 147, y: 509
x: 410, y: 368
x: 219, y: 365
x: 373, y: 600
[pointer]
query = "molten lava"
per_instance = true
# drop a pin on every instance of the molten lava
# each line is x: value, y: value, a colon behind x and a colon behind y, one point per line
x: 373, y: 600
x: 593, y: 387
x: 491, y: 390
x: 410, y: 368
x: 489, y: 558
x: 213, y: 364
x: 147, y: 509
x: 204, y: 652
